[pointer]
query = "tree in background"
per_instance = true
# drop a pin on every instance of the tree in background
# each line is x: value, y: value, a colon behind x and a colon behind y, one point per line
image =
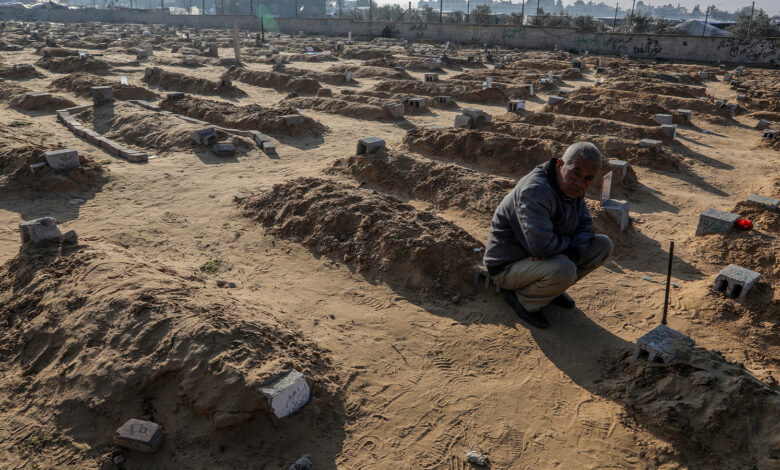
x: 457, y: 17
x: 761, y: 26
x: 481, y: 14
x: 638, y: 22
x: 387, y: 12
x: 429, y: 15
x: 664, y: 26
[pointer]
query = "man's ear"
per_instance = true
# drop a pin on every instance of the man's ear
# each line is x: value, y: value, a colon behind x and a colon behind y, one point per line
x: 559, y: 163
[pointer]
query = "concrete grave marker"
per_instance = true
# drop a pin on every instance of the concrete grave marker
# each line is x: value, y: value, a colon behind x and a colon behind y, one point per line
x: 768, y: 202
x: 369, y: 145
x: 292, y: 120
x: 515, y: 105
x: 769, y: 134
x: 664, y: 119
x: 462, y: 121
x: 621, y: 169
x: 396, y: 110
x: 552, y: 99
x: 715, y: 221
x: 431, y: 77
x: 650, y: 143
x: 736, y: 281
x: 417, y: 103
x: 67, y: 159
x: 206, y: 136
x: 224, y: 150
x: 39, y: 230
x: 606, y: 187
x: 684, y: 115
x: 669, y: 130
x: 476, y: 114
x: 763, y: 124
x: 101, y: 94
x: 662, y: 342
x: 143, y: 436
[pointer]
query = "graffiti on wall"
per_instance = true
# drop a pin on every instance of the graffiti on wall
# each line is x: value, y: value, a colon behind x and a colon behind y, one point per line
x: 418, y: 28
x: 750, y: 49
x: 649, y: 49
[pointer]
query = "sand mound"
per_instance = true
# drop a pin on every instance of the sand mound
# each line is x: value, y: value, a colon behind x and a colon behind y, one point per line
x: 344, y: 107
x: 458, y: 90
x: 94, y: 335
x: 367, y: 71
x: 584, y: 125
x: 80, y: 83
x: 72, y: 64
x: 21, y: 97
x: 366, y: 54
x: 669, y: 89
x: 138, y: 127
x: 714, y: 410
x: 180, y: 82
x: 276, y: 80
x: 251, y: 117
x: 21, y: 147
x: 19, y: 72
x: 57, y: 52
x: 757, y: 249
x: 443, y: 185
x: 377, y: 234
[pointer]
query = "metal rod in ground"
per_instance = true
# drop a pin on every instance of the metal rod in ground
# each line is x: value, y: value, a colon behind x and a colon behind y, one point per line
x: 668, y: 281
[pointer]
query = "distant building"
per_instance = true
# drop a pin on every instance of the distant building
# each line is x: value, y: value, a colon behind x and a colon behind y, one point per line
x: 286, y: 8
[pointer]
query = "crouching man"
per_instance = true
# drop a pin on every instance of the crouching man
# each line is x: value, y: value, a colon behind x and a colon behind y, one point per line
x: 541, y: 237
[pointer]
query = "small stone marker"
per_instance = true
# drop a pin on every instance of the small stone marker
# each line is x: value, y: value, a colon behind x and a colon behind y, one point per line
x: 292, y: 120
x: 416, y: 103
x: 732, y: 107
x: 67, y: 159
x: 303, y: 463
x: 530, y: 87
x: 143, y: 436
x: 224, y: 150
x: 768, y: 202
x: 651, y: 144
x: 763, y: 124
x: 669, y: 130
x: 101, y: 94
x: 704, y: 74
x: 476, y: 458
x: 715, y: 221
x: 348, y: 76
x: 177, y: 95
x: 286, y: 394
x: 462, y: 121
x: 684, y: 115
x: 325, y: 92
x: 769, y: 134
x: 606, y: 187
x: 621, y: 169
x: 553, y: 99
x: 268, y: 147
x: 369, y: 145
x: 616, y: 209
x: 431, y: 77
x: 476, y: 114
x: 399, y: 69
x: 442, y: 99
x: 396, y: 110
x: 206, y: 136
x: 433, y: 64
x: 38, y: 230
x: 664, y: 118
x: 662, y: 342
x: 515, y: 105
x: 735, y: 280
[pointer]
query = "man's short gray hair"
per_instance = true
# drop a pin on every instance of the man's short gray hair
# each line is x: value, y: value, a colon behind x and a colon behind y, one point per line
x: 584, y: 150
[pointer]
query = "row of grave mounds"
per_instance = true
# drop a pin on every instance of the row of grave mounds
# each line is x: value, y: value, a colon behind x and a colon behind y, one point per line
x: 24, y: 145
x: 250, y: 117
x: 176, y: 81
x: 377, y: 235
x: 23, y: 98
x: 465, y: 91
x: 276, y: 80
x: 95, y: 335
x: 71, y: 64
x: 19, y: 72
x: 80, y: 84
x: 353, y: 106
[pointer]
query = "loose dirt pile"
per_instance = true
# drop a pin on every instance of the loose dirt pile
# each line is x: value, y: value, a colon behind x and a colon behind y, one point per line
x: 369, y: 72
x: 21, y: 147
x: 93, y: 336
x: 138, y: 127
x: 380, y: 236
x: 331, y: 78
x: 23, y: 98
x: 251, y: 117
x: 715, y: 411
x: 57, y: 52
x: 72, y: 64
x: 461, y: 91
x: 19, y: 72
x: 80, y: 83
x: 366, y: 54
x: 661, y: 88
x: 597, y: 103
x: 341, y: 106
x: 584, y: 125
x: 180, y: 82
x: 276, y: 80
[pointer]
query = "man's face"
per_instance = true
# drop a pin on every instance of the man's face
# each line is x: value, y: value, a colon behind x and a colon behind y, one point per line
x: 575, y: 176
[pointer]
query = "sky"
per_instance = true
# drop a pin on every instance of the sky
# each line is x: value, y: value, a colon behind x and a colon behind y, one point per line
x: 770, y: 6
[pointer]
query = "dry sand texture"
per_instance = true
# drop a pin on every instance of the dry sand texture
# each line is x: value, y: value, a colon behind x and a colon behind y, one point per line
x: 356, y: 270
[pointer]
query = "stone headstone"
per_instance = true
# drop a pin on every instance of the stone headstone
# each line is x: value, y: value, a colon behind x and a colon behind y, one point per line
x: 462, y: 121
x: 101, y: 94
x: 684, y: 115
x: 553, y: 99
x: 768, y: 202
x: 143, y: 436
x: 39, y: 230
x: 669, y: 130
x: 620, y: 169
x: 715, y: 221
x: 396, y: 110
x: 224, y: 150
x: 735, y: 280
x: 369, y: 145
x: 206, y: 136
x: 619, y: 210
x: 606, y: 187
x: 664, y: 118
x: 476, y: 114
x: 286, y: 394
x: 662, y: 342
x: 515, y: 105
x: 763, y: 124
x: 66, y: 159
x: 292, y: 120
x: 431, y: 77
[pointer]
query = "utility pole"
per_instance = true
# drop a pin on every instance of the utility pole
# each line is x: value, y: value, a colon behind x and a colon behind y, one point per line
x: 537, y: 11
x: 252, y: 7
x: 706, y: 17
x: 339, y: 9
x: 296, y: 8
x: 441, y: 11
x: 750, y: 23
x: 631, y: 18
x: 370, y: 11
x: 203, y: 11
x: 522, y: 13
x: 614, y: 21
x: 468, y: 11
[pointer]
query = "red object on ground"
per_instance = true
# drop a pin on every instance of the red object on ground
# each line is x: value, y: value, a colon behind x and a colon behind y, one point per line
x: 745, y: 224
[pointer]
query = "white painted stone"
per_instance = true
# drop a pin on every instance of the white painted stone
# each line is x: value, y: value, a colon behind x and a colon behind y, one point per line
x: 287, y: 394
x: 66, y: 159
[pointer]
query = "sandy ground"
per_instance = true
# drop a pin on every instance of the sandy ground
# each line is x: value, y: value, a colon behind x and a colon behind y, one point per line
x: 423, y: 379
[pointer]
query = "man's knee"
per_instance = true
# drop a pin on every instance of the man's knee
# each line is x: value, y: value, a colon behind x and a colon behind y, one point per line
x: 565, y: 273
x: 597, y: 252
x: 604, y: 246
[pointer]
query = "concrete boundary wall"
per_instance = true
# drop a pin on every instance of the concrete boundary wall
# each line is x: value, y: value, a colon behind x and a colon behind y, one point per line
x: 690, y: 48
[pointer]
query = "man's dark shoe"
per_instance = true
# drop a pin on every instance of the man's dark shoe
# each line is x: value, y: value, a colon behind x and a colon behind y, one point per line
x: 564, y: 300
x: 532, y: 318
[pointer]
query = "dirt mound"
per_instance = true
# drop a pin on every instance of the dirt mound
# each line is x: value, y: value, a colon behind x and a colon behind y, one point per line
x: 714, y: 410
x: 22, y: 147
x: 251, y: 117
x: 94, y: 335
x: 24, y: 98
x: 276, y: 80
x: 669, y: 89
x: 757, y: 249
x: 365, y: 71
x: 80, y: 83
x: 72, y: 64
x: 57, y: 52
x: 19, y: 72
x: 180, y: 82
x: 366, y: 54
x: 460, y: 91
x: 138, y: 127
x: 344, y: 107
x: 376, y: 234
x: 584, y: 125
x: 443, y: 185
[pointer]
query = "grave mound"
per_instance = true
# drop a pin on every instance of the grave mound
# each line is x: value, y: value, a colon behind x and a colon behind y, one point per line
x: 250, y: 117
x: 19, y: 73
x: 376, y: 234
x: 714, y: 411
x: 72, y: 64
x: 94, y: 335
x: 341, y: 106
x: 276, y: 80
x: 369, y: 72
x: 57, y: 52
x: 80, y: 83
x: 466, y: 91
x: 23, y: 98
x: 21, y: 147
x: 180, y: 82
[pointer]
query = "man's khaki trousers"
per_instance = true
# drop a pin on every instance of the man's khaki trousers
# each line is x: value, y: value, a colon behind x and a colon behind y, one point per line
x: 537, y: 283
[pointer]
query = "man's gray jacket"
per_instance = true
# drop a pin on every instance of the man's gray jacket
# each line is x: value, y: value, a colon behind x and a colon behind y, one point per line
x: 537, y: 219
